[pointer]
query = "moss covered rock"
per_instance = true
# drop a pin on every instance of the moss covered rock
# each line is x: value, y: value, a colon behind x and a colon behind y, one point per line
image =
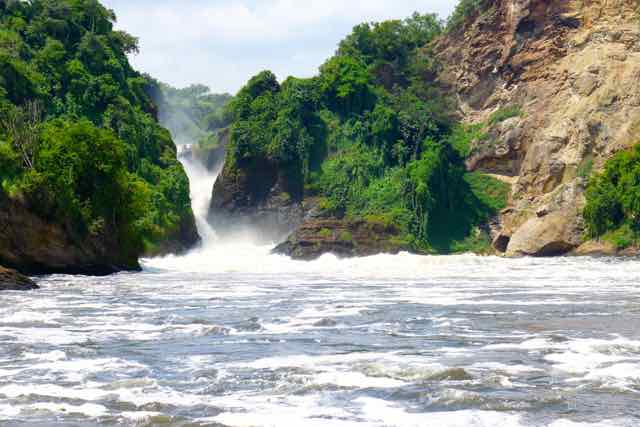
x: 343, y: 238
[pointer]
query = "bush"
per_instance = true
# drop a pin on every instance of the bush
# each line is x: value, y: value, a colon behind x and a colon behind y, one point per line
x: 613, y: 196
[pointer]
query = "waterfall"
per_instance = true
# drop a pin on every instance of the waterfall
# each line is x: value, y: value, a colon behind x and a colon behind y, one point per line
x: 201, y: 183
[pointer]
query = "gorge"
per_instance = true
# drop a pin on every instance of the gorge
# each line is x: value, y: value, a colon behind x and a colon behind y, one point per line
x: 440, y: 228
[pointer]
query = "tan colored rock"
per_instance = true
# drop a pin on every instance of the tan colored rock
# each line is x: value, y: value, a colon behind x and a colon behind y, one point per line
x: 554, y: 234
x: 573, y: 67
x: 596, y: 248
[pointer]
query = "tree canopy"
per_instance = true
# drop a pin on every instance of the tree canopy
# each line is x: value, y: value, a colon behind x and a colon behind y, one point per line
x: 96, y: 155
x: 369, y: 136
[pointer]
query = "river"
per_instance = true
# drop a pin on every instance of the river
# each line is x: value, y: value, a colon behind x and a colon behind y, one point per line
x: 230, y: 335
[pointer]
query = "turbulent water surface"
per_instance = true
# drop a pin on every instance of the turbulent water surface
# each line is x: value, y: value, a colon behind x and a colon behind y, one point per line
x: 232, y: 336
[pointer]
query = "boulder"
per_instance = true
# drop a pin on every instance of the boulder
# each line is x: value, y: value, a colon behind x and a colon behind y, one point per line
x: 11, y: 280
x: 551, y: 235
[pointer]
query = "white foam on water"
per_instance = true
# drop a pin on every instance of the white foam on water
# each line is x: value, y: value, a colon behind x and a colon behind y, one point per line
x: 8, y: 411
x: 51, y: 356
x: 607, y: 423
x: 614, y: 363
x: 32, y: 316
x: 139, y: 416
x: 91, y: 410
x: 530, y: 345
x: 383, y: 413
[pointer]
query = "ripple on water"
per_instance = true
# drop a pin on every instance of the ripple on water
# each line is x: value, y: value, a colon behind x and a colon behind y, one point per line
x: 383, y: 341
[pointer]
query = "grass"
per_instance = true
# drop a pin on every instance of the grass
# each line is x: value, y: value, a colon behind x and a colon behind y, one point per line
x: 586, y: 167
x: 492, y: 192
x: 623, y: 237
x: 464, y: 136
x: 505, y: 113
x: 346, y: 236
x: 478, y: 242
x: 325, y: 233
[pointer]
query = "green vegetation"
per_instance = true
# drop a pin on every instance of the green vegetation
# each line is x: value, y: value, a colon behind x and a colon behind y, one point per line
x: 585, y: 167
x: 613, y: 200
x: 372, y: 136
x: 192, y: 114
x: 464, y: 10
x: 78, y: 137
x: 505, y: 113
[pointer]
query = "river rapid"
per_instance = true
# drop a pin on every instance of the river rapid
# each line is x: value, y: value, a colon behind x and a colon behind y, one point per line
x: 229, y: 335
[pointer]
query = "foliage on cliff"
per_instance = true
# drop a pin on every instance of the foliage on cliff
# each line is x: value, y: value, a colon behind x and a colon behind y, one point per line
x: 192, y: 114
x: 464, y: 10
x: 613, y: 200
x: 371, y: 135
x: 78, y: 136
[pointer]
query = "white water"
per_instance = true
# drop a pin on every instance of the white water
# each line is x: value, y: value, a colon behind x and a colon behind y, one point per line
x: 230, y: 335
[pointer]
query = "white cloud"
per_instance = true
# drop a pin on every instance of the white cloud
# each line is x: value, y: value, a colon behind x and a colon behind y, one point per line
x: 222, y: 43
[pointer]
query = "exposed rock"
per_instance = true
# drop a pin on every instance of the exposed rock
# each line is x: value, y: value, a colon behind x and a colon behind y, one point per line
x: 596, y: 248
x: 325, y: 323
x: 556, y: 229
x: 184, y: 238
x: 342, y: 238
x: 11, y: 280
x: 602, y: 248
x: 572, y: 68
x: 35, y: 245
x: 547, y: 236
x: 259, y: 199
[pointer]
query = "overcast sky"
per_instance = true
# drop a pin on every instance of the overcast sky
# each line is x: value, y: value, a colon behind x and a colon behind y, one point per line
x: 222, y: 43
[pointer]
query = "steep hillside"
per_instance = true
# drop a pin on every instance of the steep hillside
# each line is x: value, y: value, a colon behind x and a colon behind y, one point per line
x: 563, y: 78
x: 484, y: 138
x: 89, y: 179
x: 369, y: 144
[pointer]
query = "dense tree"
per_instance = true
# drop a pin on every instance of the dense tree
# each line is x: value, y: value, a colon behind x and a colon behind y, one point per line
x: 613, y: 200
x: 77, y: 133
x: 370, y: 136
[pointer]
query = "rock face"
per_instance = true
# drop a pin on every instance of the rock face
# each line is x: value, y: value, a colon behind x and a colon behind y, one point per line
x: 33, y: 245
x: 571, y: 68
x: 342, y: 238
x: 258, y: 199
x: 183, y: 239
x: 566, y: 74
x: 11, y: 280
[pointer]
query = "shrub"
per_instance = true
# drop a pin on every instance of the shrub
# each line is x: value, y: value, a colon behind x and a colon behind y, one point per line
x: 613, y: 196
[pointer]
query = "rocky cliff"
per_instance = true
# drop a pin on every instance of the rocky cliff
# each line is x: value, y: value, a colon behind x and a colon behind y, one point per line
x: 258, y: 199
x: 11, y: 280
x: 571, y: 70
x: 36, y: 245
x: 554, y: 87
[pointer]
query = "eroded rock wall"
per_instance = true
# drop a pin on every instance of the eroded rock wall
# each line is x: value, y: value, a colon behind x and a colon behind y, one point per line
x: 573, y: 69
x: 35, y: 245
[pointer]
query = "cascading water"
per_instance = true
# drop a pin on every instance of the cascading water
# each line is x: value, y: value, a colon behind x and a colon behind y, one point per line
x: 229, y: 335
x: 201, y: 183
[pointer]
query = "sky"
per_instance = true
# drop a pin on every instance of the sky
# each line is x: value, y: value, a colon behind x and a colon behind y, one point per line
x: 223, y: 43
